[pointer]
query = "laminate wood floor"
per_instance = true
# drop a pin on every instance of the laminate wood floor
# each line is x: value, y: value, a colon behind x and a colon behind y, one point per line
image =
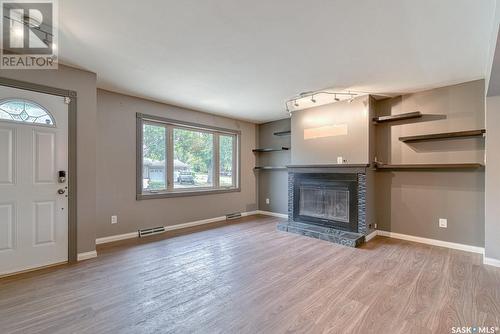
x: 247, y: 277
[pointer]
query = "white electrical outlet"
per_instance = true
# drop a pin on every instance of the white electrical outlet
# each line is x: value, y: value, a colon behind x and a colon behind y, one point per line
x: 340, y: 160
x: 114, y: 219
x: 443, y: 223
x: 375, y: 225
x: 268, y: 201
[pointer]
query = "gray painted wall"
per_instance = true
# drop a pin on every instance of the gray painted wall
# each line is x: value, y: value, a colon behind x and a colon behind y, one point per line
x: 111, y: 188
x: 353, y: 147
x: 492, y: 192
x: 84, y: 83
x: 407, y: 202
x: 273, y: 184
x: 452, y: 108
x: 411, y: 202
x: 116, y: 169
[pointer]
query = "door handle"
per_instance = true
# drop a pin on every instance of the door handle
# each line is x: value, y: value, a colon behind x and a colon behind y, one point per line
x: 61, y: 191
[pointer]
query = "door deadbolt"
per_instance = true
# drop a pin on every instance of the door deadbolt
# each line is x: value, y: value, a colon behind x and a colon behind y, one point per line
x: 62, y: 176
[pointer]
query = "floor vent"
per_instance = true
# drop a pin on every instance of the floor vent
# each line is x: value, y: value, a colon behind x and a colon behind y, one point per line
x: 150, y: 231
x: 235, y: 215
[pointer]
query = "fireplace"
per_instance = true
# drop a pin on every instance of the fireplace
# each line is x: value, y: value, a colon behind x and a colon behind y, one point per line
x: 328, y: 203
x: 329, y: 200
x: 330, y: 180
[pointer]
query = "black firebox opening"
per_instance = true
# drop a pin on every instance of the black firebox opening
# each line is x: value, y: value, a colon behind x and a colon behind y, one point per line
x: 329, y: 199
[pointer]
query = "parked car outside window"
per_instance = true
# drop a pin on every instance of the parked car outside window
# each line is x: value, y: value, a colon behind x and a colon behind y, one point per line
x: 185, y: 177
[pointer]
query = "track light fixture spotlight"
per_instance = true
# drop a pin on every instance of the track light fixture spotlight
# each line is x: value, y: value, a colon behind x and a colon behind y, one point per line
x: 351, y: 97
x: 292, y: 104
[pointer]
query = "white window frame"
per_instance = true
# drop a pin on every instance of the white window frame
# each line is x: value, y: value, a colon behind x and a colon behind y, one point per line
x: 170, y: 125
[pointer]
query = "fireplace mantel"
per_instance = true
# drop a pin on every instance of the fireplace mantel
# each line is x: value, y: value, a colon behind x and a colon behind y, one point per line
x: 330, y: 168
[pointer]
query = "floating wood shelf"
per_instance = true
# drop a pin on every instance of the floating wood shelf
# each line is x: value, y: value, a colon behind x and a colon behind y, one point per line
x: 283, y: 133
x: 444, y: 135
x: 271, y: 149
x: 428, y: 166
x: 330, y: 166
x: 399, y: 117
x: 270, y: 168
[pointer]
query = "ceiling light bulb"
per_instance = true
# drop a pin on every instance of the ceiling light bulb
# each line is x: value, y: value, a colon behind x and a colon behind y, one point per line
x: 312, y: 99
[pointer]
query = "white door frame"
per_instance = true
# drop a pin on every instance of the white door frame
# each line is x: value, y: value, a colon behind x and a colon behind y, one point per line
x: 72, y: 179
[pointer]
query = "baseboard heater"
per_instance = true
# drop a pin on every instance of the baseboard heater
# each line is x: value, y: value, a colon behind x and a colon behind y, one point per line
x: 235, y: 215
x: 150, y: 231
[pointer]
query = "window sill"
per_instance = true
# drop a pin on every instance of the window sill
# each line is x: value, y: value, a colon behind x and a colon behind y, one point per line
x: 171, y: 194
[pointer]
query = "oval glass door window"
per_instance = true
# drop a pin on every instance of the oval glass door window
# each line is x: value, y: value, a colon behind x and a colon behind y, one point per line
x: 24, y: 111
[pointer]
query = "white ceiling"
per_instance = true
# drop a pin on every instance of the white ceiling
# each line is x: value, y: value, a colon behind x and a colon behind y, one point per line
x: 245, y: 58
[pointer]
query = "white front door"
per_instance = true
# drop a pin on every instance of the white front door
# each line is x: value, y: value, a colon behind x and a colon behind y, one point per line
x: 33, y: 199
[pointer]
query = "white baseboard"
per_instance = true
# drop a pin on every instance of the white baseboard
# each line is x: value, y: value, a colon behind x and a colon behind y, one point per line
x: 269, y: 213
x: 118, y: 237
x: 434, y: 242
x: 195, y: 223
x: 491, y: 261
x: 371, y: 236
x: 86, y: 255
x: 105, y: 240
x: 250, y: 213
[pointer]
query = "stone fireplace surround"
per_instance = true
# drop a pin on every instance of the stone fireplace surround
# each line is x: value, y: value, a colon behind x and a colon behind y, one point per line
x: 312, y: 229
